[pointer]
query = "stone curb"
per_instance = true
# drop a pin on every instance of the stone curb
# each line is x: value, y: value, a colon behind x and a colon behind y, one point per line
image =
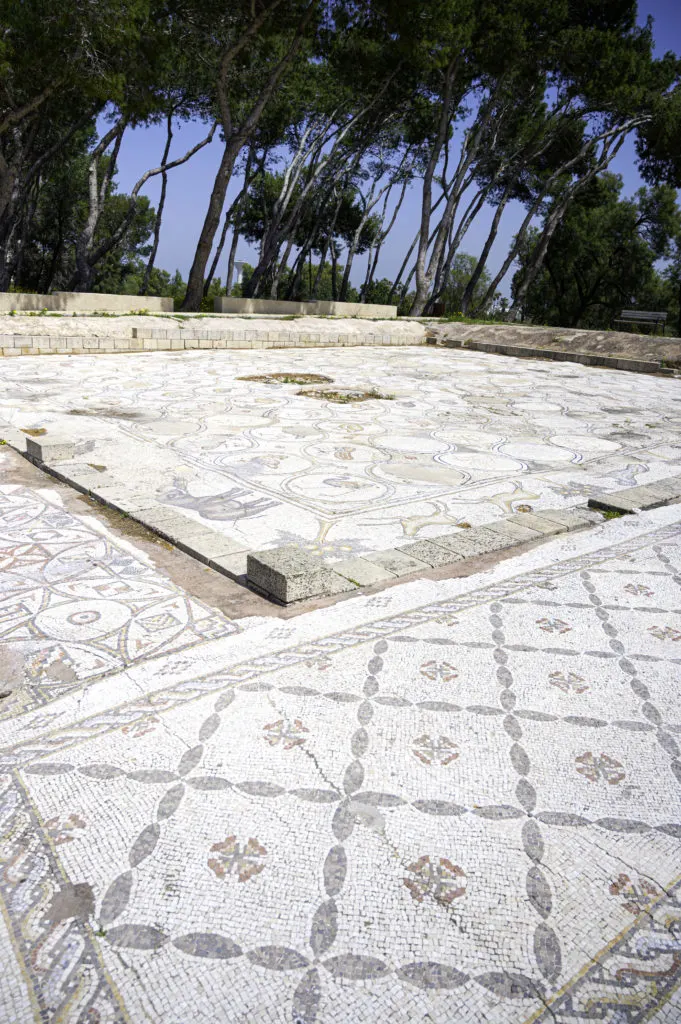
x: 290, y: 574
x: 639, y: 499
x: 586, y: 358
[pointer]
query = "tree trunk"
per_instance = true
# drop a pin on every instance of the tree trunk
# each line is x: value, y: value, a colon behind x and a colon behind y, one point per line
x: 161, y: 204
x: 484, y: 256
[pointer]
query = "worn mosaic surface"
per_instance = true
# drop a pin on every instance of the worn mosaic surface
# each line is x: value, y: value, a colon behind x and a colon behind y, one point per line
x: 455, y: 800
x: 76, y: 605
x: 467, y: 437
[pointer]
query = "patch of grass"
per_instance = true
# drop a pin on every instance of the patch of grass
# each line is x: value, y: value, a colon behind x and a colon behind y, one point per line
x: 610, y: 513
x: 345, y: 397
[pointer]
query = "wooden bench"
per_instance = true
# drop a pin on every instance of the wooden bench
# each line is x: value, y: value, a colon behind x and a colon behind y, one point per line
x: 642, y: 317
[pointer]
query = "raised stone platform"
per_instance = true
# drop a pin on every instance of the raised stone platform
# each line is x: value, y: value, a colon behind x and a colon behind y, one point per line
x: 289, y: 574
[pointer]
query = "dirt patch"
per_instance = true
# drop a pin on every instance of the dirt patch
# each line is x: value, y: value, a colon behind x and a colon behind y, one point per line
x: 344, y: 396
x: 289, y: 378
x: 35, y: 433
x: 116, y: 414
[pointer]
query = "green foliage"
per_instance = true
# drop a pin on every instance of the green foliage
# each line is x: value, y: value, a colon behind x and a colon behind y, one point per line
x: 604, y: 257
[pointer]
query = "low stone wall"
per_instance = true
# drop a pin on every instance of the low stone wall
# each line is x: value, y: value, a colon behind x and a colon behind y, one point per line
x: 82, y: 302
x: 269, y: 307
x: 107, y: 336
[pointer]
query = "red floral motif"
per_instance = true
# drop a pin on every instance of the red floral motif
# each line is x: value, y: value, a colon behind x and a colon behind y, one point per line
x: 233, y: 859
x: 137, y: 729
x: 321, y: 663
x: 553, y: 626
x: 61, y: 829
x: 440, y: 879
x: 665, y: 633
x: 568, y: 682
x: 637, y: 895
x: 639, y: 590
x: 441, y: 750
x: 601, y: 767
x: 439, y: 670
x: 289, y: 734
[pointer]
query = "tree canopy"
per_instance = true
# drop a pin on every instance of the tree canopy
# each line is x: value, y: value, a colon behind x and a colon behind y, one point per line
x: 327, y: 113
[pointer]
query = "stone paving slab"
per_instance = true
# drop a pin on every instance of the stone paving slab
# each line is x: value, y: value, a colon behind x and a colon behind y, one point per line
x: 363, y: 573
x: 432, y: 554
x: 457, y: 800
x: 397, y: 562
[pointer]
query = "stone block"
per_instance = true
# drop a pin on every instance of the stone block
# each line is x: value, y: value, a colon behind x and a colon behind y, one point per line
x: 632, y: 499
x: 669, y: 489
x: 397, y: 562
x: 513, y: 533
x: 471, y: 543
x: 204, y: 543
x: 572, y: 518
x: 50, y: 449
x: 290, y: 574
x: 362, y: 572
x: 432, y: 554
x: 234, y: 566
x: 530, y: 521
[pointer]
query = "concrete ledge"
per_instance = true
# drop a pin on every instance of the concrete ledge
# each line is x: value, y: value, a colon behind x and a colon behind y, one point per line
x: 586, y: 358
x: 83, y: 302
x: 223, y: 304
x: 289, y: 574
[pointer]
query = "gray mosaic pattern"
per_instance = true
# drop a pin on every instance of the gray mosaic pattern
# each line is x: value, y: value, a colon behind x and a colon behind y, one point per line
x: 467, y: 811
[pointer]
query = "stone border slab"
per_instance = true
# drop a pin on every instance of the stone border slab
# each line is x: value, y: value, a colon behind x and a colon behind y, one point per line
x: 290, y: 574
x: 641, y: 498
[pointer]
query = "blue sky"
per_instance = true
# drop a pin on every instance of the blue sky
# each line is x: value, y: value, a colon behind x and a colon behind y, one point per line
x: 190, y: 185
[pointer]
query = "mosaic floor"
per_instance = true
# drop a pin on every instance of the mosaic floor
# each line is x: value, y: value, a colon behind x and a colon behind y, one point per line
x: 451, y: 801
x: 467, y: 437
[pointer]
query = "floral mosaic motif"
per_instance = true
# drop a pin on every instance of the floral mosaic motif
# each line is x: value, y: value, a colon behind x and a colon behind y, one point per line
x: 435, y: 751
x: 289, y: 734
x: 637, y: 896
x: 599, y: 767
x: 439, y: 670
x: 639, y: 590
x: 234, y: 859
x: 321, y: 663
x: 137, y: 729
x: 665, y: 632
x: 568, y: 682
x: 61, y: 828
x: 554, y: 626
x: 447, y: 620
x: 439, y: 879
x: 524, y: 508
